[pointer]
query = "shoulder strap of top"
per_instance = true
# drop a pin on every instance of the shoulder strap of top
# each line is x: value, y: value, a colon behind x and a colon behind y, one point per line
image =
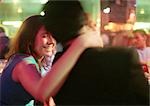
x: 14, y: 60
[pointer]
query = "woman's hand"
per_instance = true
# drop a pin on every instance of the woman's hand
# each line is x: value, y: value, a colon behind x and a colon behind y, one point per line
x: 90, y: 37
x: 50, y: 102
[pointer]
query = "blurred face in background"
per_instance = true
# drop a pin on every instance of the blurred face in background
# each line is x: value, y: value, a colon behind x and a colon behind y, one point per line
x: 140, y: 40
x: 45, y: 44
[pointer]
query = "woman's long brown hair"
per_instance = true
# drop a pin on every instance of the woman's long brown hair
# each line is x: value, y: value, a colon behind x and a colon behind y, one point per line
x: 23, y: 42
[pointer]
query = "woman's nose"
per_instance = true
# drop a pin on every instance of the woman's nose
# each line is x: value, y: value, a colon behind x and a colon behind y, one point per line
x: 50, y: 42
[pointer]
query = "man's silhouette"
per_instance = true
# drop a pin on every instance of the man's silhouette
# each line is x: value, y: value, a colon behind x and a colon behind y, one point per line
x: 101, y: 76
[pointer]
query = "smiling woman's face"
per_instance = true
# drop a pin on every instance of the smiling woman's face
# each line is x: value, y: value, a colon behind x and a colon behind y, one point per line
x: 44, y: 44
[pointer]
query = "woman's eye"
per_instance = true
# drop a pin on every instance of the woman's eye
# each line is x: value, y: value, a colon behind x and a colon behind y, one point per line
x: 44, y: 35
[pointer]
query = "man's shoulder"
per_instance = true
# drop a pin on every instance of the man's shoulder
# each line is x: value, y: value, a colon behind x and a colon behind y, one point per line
x: 111, y: 54
x: 109, y: 50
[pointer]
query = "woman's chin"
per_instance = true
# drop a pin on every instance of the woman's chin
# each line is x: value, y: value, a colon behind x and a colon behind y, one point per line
x: 48, y: 54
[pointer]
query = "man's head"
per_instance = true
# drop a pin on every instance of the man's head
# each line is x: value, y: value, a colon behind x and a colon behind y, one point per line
x: 64, y: 19
x: 140, y: 38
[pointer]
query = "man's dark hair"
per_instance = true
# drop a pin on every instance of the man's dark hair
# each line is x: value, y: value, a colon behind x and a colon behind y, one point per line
x: 64, y: 19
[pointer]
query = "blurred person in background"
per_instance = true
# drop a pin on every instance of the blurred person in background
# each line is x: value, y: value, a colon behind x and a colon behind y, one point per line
x: 143, y: 50
x: 4, y: 43
x: 4, y: 47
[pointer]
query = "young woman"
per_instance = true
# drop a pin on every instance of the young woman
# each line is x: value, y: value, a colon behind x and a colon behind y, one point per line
x: 22, y: 80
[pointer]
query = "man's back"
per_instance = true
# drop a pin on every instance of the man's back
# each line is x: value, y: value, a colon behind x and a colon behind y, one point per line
x: 105, y: 77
